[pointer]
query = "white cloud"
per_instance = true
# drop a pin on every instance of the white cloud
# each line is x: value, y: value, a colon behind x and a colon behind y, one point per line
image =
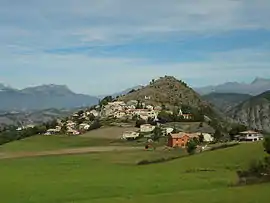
x: 104, y: 21
x: 30, y: 27
x: 98, y: 75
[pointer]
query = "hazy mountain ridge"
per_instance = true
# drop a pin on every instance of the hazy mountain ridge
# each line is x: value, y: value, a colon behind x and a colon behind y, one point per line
x: 226, y: 101
x: 32, y: 117
x: 258, y: 86
x: 42, y: 97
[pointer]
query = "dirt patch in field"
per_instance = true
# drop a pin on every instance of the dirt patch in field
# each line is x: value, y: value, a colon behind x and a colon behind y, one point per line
x: 108, y: 132
x: 84, y: 150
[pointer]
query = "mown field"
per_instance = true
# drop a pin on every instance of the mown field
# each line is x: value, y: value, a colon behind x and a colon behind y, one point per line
x: 115, y: 177
x: 100, y: 137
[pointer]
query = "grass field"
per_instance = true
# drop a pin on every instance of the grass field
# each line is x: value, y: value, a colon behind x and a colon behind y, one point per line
x: 100, y: 137
x: 114, y: 177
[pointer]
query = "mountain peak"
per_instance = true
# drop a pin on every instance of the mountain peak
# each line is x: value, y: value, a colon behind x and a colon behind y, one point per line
x: 259, y: 80
x: 168, y: 91
x: 48, y: 88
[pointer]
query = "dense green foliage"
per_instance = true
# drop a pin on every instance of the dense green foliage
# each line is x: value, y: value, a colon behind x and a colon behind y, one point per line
x: 105, y: 100
x: 157, y: 134
x: 266, y: 144
x: 11, y: 135
x: 236, y: 129
x: 191, y: 146
x: 165, y: 117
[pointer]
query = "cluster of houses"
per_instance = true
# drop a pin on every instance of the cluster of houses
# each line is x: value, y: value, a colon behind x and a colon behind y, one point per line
x: 122, y: 110
x: 76, y: 124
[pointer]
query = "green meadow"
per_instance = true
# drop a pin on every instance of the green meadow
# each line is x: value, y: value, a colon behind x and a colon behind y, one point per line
x: 115, y: 177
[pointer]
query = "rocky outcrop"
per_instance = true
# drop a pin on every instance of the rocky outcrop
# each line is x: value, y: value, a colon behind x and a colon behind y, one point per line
x: 254, y: 112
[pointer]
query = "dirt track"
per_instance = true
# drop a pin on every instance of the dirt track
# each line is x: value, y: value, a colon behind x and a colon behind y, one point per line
x: 84, y: 150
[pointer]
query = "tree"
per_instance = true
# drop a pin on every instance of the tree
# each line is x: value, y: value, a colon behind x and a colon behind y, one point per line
x: 201, y: 138
x: 191, y: 146
x: 266, y: 144
x: 163, y: 107
x: 91, y: 117
x: 164, y: 117
x: 157, y: 134
x: 139, y: 123
x: 131, y: 91
x: 95, y: 125
x: 236, y: 129
x: 105, y: 100
x: 139, y: 105
x: 217, y: 135
x: 80, y: 113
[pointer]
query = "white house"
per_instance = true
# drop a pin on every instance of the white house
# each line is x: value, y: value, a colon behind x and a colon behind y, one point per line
x: 149, y: 107
x: 169, y: 130
x: 206, y: 137
x: 147, y: 128
x: 73, y: 132
x: 130, y: 135
x: 250, y: 136
x: 94, y: 112
x: 119, y: 114
x: 84, y: 126
x: 52, y: 131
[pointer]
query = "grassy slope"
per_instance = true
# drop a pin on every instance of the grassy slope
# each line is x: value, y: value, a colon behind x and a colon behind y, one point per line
x: 106, y: 177
x: 100, y: 137
x: 41, y: 143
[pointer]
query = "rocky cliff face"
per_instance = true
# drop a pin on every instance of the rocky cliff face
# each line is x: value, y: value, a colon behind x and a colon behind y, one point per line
x: 226, y: 101
x: 254, y: 112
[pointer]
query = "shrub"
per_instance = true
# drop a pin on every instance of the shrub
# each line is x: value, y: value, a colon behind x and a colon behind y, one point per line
x: 223, y: 146
x: 266, y: 144
x: 191, y: 146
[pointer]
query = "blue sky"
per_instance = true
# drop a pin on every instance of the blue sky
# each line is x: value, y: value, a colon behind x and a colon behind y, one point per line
x: 103, y: 46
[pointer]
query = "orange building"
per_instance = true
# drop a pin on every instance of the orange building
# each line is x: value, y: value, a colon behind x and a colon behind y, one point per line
x: 179, y: 139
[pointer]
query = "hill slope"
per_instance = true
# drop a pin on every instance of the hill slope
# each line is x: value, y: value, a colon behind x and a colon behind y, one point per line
x: 43, y: 97
x: 258, y: 86
x: 254, y: 112
x: 168, y: 91
x: 226, y: 101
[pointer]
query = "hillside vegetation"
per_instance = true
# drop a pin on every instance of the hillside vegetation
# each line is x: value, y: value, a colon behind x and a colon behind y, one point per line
x: 166, y: 91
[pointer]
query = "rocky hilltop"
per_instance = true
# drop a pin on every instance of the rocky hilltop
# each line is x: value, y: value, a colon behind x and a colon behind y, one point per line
x: 255, y: 112
x: 166, y: 91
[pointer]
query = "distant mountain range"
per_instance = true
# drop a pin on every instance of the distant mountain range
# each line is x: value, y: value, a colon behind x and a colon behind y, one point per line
x: 226, y: 101
x: 124, y: 92
x: 258, y: 86
x: 42, y: 97
x: 24, y: 118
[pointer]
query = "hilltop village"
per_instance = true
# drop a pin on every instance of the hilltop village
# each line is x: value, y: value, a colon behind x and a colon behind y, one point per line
x: 166, y: 107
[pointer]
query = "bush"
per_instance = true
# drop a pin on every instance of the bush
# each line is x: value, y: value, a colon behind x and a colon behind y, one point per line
x: 159, y: 160
x: 266, y: 144
x: 258, y: 171
x: 191, y: 146
x: 223, y: 146
x: 95, y: 125
x: 139, y: 123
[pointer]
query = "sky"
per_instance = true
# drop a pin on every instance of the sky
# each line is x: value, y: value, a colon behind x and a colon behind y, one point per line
x: 104, y: 46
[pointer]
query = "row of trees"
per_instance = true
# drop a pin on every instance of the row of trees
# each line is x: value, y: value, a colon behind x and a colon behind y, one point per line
x: 11, y: 135
x: 165, y: 117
